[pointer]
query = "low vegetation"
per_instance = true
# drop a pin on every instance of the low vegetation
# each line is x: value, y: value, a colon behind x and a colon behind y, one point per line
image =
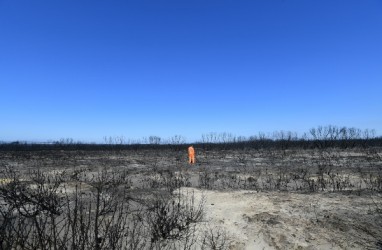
x: 134, y: 196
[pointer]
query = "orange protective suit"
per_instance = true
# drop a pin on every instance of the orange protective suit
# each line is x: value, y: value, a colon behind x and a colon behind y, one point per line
x: 191, y: 155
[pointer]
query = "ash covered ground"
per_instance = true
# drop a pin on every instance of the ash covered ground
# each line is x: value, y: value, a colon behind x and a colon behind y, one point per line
x: 151, y: 198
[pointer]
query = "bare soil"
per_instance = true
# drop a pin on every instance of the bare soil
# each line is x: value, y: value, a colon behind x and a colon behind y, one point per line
x: 286, y: 220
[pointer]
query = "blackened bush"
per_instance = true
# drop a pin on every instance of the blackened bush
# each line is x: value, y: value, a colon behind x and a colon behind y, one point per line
x: 172, y: 219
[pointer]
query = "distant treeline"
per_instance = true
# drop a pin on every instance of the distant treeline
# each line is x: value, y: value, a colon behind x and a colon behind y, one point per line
x: 320, y: 137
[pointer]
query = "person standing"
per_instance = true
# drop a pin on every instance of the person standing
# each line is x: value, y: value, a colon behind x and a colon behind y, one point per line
x: 191, y: 155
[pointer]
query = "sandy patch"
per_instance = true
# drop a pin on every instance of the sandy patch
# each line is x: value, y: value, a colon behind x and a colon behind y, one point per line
x: 277, y: 220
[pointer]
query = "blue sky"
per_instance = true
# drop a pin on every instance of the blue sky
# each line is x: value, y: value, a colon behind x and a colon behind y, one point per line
x: 89, y: 69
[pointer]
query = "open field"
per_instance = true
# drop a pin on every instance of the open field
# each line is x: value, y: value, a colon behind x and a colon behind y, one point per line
x: 151, y: 198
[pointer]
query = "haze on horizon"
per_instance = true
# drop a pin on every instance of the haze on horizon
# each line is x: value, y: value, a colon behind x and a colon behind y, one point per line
x: 89, y: 69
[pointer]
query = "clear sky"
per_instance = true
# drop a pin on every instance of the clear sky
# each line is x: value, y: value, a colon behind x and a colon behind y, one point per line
x: 89, y: 69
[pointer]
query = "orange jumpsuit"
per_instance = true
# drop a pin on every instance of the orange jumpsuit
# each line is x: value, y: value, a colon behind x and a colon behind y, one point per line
x: 191, y: 155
